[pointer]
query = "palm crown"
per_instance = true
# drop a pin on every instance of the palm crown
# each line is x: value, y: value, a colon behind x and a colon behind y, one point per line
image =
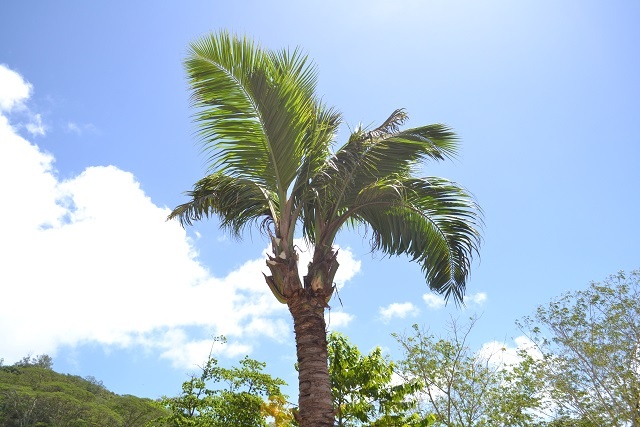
x: 269, y: 138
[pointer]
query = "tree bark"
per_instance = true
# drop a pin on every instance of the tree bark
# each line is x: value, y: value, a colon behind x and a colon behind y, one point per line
x: 315, y: 402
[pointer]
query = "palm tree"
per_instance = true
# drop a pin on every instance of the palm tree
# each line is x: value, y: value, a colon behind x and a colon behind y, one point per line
x: 268, y: 138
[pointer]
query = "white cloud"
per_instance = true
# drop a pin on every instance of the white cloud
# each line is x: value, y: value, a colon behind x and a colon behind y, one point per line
x: 184, y: 352
x: 14, y: 90
x: 35, y: 126
x: 401, y: 310
x: 500, y: 353
x: 74, y: 128
x: 433, y: 301
x: 477, y: 298
x: 80, y: 129
x: 337, y: 319
x: 92, y: 260
x: 397, y: 379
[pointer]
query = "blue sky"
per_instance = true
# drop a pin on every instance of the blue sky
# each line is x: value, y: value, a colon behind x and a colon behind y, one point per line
x: 96, y: 145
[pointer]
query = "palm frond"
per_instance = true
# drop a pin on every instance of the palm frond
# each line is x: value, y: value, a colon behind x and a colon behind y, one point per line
x: 432, y: 220
x: 219, y: 68
x: 235, y: 201
x: 304, y: 194
x: 389, y: 126
x: 379, y: 155
x: 395, y: 152
x: 254, y: 108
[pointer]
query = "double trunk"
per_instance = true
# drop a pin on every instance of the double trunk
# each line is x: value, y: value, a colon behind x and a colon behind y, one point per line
x: 306, y: 302
x: 315, y: 401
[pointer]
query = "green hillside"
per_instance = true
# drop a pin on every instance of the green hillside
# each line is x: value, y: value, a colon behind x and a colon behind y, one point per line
x: 32, y: 394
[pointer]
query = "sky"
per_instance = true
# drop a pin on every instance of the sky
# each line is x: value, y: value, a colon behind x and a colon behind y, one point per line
x: 97, y: 146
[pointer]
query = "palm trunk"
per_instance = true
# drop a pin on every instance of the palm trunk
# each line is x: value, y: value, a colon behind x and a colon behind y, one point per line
x: 315, y: 402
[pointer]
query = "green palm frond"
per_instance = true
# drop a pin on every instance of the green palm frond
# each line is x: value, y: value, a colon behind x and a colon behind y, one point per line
x: 387, y: 142
x: 235, y: 201
x: 395, y: 152
x: 389, y: 126
x: 316, y: 143
x: 432, y: 220
x: 379, y: 154
x: 254, y: 108
x: 219, y: 69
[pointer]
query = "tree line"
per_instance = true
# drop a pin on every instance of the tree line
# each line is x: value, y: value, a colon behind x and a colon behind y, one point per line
x: 581, y: 369
x: 33, y: 394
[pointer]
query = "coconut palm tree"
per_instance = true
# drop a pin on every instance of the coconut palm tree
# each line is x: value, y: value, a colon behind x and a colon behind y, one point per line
x: 269, y: 143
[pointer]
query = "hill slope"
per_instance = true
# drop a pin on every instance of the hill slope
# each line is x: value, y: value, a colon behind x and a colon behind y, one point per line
x: 32, y: 394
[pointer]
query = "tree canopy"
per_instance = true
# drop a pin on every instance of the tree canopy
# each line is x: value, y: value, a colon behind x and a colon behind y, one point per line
x: 467, y: 388
x: 237, y: 396
x: 32, y: 394
x: 591, y: 345
x: 364, y: 391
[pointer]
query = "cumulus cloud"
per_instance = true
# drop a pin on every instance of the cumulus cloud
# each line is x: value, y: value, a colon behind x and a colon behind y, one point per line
x: 401, y: 310
x: 435, y: 302
x: 338, y: 319
x: 183, y: 351
x: 14, y: 93
x: 477, y: 298
x: 91, y: 259
x: 501, y: 353
x: 14, y: 90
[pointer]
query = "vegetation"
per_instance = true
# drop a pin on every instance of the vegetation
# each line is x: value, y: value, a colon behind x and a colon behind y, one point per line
x: 466, y: 388
x: 32, y: 394
x: 583, y: 373
x: 591, y: 345
x: 269, y: 139
x: 220, y: 397
x: 363, y: 388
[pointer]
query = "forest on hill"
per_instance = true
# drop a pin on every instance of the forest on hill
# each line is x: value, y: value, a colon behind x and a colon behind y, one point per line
x: 33, y: 394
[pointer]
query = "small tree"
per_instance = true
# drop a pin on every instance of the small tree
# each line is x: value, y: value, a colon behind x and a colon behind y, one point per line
x: 236, y: 399
x: 464, y: 388
x: 591, y: 345
x: 43, y: 361
x: 363, y: 389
